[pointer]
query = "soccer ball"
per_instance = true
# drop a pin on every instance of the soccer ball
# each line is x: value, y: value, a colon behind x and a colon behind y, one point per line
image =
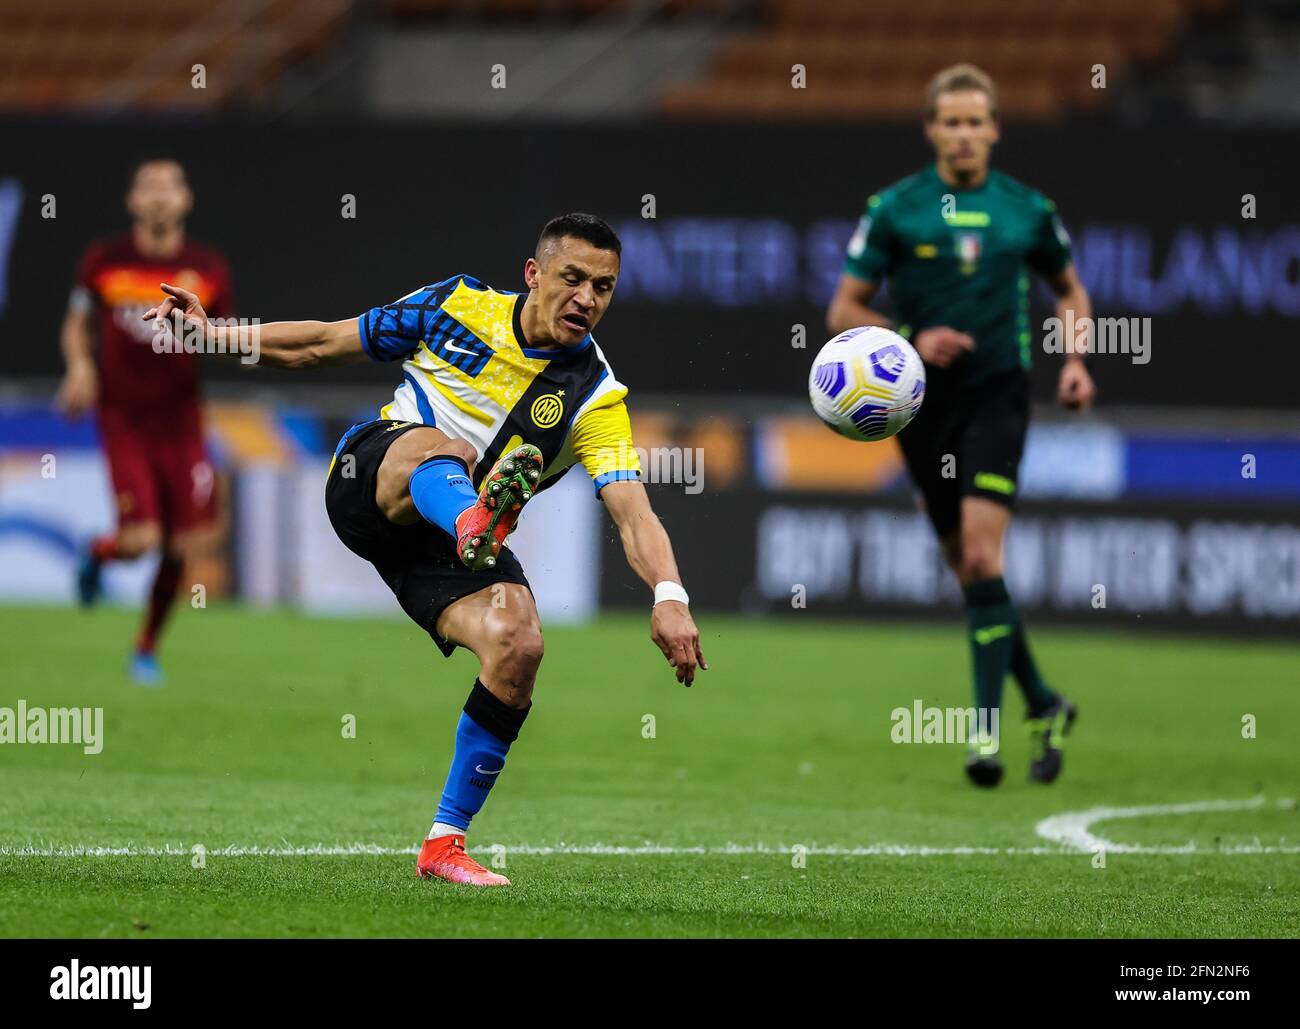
x: 867, y: 383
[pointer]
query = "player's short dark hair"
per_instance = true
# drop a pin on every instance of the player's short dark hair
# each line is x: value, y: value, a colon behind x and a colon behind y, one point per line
x: 960, y: 78
x: 155, y: 159
x: 587, y: 227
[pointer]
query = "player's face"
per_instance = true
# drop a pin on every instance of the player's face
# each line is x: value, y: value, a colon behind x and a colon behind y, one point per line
x: 572, y: 285
x: 159, y: 195
x: 963, y: 131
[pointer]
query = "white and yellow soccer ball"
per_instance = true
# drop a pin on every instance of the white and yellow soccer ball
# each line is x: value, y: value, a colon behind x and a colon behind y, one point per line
x: 867, y: 383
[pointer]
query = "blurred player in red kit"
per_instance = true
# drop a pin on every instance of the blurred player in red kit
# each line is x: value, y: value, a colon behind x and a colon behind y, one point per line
x: 146, y: 402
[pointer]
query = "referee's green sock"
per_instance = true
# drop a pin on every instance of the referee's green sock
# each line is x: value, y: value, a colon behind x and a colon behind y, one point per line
x: 1038, y: 695
x: 999, y: 644
x: 993, y: 626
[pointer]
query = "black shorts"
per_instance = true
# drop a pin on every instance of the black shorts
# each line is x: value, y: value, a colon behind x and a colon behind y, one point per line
x: 968, y: 443
x: 418, y: 562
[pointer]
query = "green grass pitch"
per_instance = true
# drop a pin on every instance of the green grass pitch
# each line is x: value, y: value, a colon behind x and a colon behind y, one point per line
x: 785, y: 743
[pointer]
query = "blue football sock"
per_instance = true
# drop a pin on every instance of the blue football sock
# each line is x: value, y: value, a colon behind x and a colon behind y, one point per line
x: 487, y: 728
x: 441, y: 489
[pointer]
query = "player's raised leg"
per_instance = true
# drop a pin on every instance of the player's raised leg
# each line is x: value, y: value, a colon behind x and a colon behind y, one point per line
x: 500, y: 625
x: 426, y: 474
x: 443, y: 499
x: 481, y: 530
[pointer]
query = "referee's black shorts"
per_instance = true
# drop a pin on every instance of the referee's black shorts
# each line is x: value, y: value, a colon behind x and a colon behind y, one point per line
x: 418, y: 562
x: 967, y: 442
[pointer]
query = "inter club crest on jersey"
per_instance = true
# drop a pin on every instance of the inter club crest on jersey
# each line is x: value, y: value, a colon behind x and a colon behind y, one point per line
x: 968, y: 251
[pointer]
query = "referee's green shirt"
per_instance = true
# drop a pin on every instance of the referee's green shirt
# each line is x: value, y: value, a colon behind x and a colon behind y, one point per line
x: 961, y: 258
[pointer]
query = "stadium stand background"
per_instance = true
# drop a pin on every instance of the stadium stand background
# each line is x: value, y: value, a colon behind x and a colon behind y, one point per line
x: 691, y: 59
x: 757, y: 187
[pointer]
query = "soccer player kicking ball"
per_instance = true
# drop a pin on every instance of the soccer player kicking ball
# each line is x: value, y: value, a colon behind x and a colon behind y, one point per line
x: 956, y: 242
x: 501, y: 394
x: 147, y: 403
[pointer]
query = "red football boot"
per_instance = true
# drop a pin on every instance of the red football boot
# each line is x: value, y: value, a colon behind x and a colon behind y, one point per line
x: 483, y: 528
x: 444, y: 858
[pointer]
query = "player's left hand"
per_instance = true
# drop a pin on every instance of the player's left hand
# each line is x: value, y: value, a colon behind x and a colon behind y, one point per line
x: 182, y: 300
x: 1075, y: 389
x: 673, y: 630
x: 78, y: 391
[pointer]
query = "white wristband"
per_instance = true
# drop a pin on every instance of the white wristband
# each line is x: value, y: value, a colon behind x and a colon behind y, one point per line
x: 669, y: 590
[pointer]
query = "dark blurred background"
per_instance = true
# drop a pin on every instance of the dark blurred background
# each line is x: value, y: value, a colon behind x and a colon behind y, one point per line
x: 460, y: 126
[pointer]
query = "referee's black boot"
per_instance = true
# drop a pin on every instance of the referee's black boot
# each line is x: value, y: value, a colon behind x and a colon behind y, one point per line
x: 983, y: 769
x: 1047, y: 732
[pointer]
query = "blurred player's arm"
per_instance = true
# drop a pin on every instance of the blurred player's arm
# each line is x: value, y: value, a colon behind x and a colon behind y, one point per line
x: 79, y: 389
x: 938, y: 345
x: 1075, y: 388
x: 1051, y: 256
x: 851, y: 305
x: 602, y: 441
x: 867, y: 261
x: 80, y: 385
x: 277, y: 344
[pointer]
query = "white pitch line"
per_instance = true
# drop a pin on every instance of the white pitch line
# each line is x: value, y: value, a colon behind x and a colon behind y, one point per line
x: 645, y: 850
x: 1072, y: 830
x: 594, y: 849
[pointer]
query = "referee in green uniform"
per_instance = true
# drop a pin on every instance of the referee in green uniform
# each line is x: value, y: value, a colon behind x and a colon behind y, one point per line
x: 957, y: 242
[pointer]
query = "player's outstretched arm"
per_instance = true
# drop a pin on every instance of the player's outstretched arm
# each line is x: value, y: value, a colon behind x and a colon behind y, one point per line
x: 650, y: 553
x: 278, y: 344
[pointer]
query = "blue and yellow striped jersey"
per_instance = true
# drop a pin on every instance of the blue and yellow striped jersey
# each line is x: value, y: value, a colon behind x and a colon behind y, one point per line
x: 467, y: 370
